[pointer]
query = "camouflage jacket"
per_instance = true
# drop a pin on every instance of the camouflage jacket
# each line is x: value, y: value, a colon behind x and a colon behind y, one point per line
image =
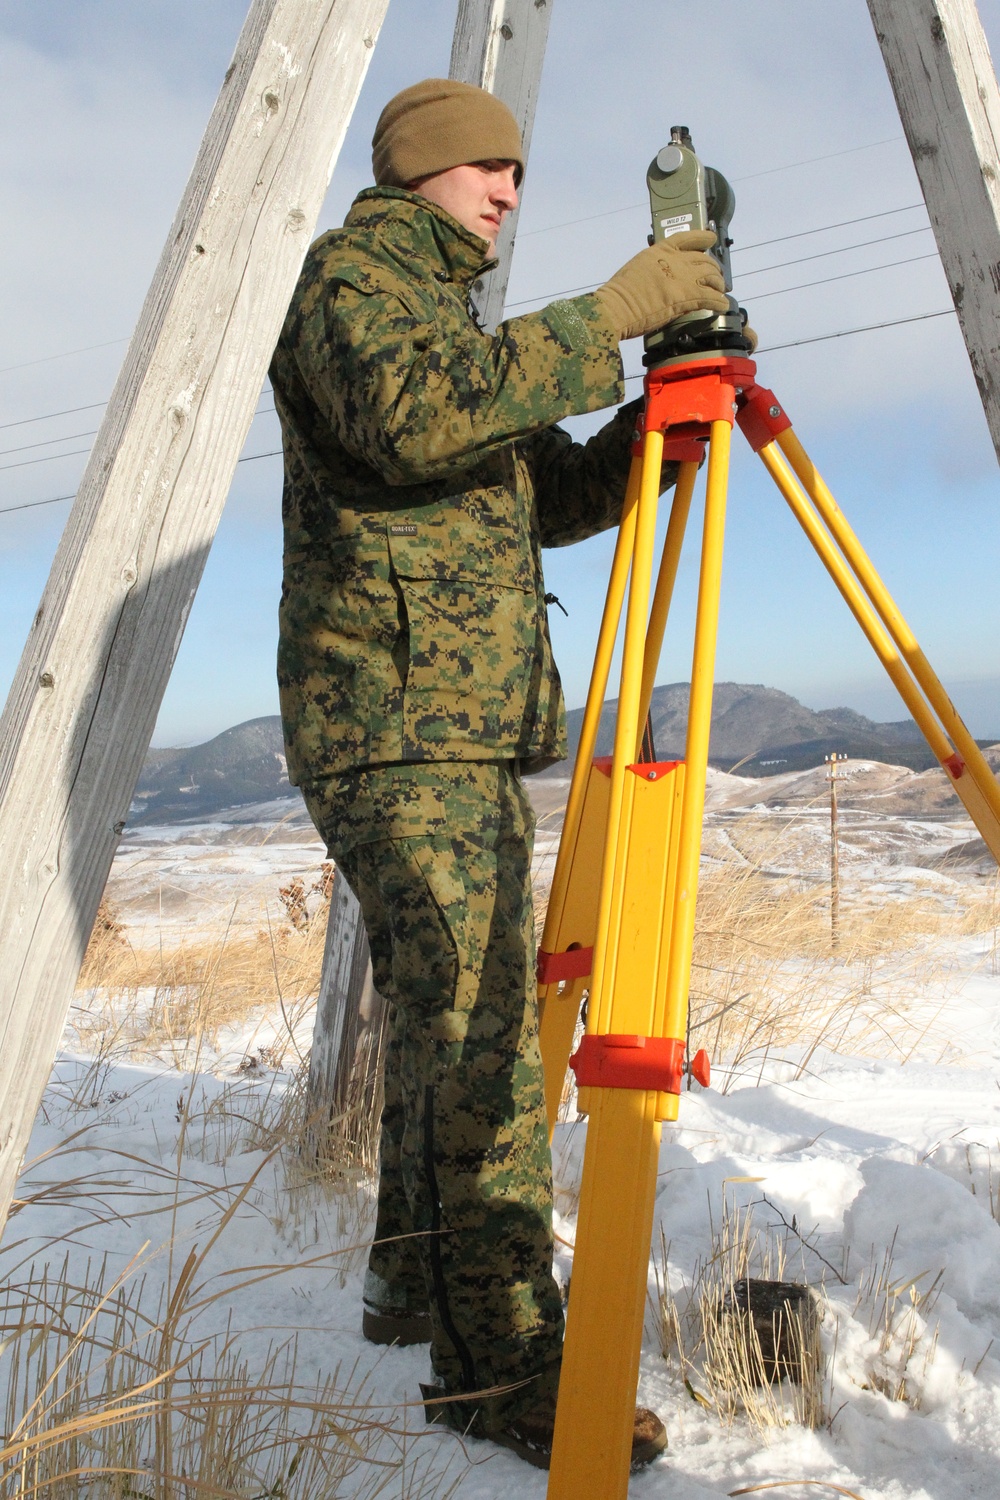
x: 423, y: 474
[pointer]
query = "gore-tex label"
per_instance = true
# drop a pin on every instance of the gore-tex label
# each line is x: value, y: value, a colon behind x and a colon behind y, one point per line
x: 404, y: 530
x: 680, y: 220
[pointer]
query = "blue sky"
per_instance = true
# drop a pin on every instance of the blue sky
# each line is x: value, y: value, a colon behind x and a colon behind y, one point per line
x: 787, y: 97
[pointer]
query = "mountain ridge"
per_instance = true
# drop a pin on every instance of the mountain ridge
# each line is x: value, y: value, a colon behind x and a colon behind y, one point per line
x: 758, y: 730
x: 764, y: 731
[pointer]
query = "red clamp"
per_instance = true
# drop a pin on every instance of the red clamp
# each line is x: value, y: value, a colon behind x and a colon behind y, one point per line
x: 636, y: 1062
x: 954, y: 765
x: 760, y: 417
x: 574, y: 963
x: 683, y: 400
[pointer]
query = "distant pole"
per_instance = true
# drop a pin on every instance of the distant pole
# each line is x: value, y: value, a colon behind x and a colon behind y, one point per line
x: 832, y: 761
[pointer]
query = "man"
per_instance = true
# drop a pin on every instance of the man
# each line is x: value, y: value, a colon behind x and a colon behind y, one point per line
x: 423, y: 474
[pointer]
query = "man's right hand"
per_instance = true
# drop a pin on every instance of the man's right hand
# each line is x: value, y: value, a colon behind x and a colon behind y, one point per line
x: 671, y: 277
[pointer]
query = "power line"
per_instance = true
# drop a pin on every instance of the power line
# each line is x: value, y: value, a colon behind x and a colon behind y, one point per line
x: 788, y: 167
x: 31, y: 504
x: 883, y: 239
x: 889, y: 140
x: 738, y: 250
x: 68, y: 411
x: 800, y: 234
x: 50, y: 458
x: 75, y: 452
x: 592, y: 285
x: 819, y: 338
x: 48, y: 358
x: 67, y: 437
x: 843, y: 333
x: 7, y: 510
x: 847, y: 275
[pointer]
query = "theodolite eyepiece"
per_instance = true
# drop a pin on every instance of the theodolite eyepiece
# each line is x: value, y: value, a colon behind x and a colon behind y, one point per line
x: 685, y: 195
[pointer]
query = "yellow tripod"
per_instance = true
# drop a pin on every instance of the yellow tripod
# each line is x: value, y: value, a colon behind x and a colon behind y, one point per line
x: 627, y: 939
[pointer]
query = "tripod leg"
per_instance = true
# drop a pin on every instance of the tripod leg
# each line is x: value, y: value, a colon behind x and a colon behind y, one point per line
x: 627, y: 725
x: 590, y: 1454
x: 610, y: 621
x: 978, y: 806
x: 592, y: 1442
x: 570, y: 915
x: 671, y: 1015
x: 667, y: 577
x: 894, y: 622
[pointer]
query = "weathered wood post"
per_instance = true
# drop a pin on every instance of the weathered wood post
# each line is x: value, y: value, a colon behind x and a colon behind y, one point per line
x: 344, y: 1089
x: 942, y: 75
x: 82, y: 708
x: 499, y: 45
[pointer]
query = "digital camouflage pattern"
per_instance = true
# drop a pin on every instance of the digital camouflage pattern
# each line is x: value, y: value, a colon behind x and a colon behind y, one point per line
x: 422, y: 476
x: 443, y: 878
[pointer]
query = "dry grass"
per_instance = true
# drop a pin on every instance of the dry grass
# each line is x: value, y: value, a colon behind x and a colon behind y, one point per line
x: 134, y: 1384
x: 719, y: 1356
x: 766, y: 985
x: 111, y: 1392
x: 173, y: 999
x: 766, y: 982
x: 902, y: 1338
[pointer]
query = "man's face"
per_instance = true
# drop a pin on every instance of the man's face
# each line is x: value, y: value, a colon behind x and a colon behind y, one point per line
x: 479, y: 195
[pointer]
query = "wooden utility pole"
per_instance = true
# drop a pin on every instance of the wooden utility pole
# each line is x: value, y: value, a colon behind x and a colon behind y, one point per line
x: 498, y: 45
x: 82, y: 708
x: 946, y: 90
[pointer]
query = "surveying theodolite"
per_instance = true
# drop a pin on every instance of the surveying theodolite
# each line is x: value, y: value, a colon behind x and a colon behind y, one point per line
x: 624, y: 940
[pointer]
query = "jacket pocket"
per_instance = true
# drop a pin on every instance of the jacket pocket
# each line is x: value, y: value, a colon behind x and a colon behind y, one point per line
x: 471, y: 607
x: 477, y: 537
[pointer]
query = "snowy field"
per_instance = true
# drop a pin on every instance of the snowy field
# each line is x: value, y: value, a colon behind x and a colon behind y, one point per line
x: 872, y: 1174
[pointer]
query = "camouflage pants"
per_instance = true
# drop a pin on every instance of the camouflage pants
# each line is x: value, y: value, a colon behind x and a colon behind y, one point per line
x: 439, y: 857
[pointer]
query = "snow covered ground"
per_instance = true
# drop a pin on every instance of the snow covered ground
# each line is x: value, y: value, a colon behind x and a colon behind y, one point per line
x: 878, y: 1181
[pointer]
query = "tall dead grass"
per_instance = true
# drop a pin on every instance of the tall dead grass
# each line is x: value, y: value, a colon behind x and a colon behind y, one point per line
x: 765, y: 981
x: 136, y: 1382
x: 719, y: 1356
x: 110, y: 1391
x: 173, y: 998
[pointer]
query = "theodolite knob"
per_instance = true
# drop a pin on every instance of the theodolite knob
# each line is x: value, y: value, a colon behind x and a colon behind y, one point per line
x: 669, y: 158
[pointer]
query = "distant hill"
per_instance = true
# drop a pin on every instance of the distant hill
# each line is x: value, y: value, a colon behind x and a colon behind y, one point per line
x: 763, y: 731
x: 242, y: 765
x: 766, y: 732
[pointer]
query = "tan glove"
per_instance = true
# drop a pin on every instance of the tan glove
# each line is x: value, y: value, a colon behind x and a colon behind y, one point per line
x: 671, y: 277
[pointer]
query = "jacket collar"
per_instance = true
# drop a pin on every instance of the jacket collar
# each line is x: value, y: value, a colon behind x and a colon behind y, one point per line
x: 413, y: 226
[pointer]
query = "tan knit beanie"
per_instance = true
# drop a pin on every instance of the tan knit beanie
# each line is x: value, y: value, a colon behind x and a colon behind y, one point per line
x: 438, y: 124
